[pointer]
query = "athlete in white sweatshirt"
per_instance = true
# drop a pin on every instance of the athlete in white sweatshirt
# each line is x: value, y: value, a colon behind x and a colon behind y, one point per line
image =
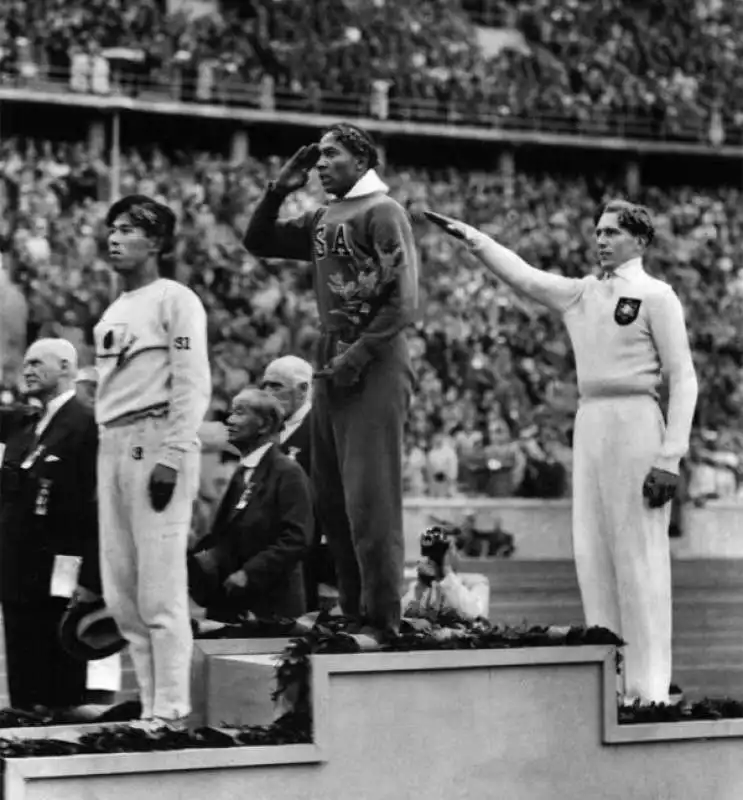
x: 153, y: 392
x: 628, y: 334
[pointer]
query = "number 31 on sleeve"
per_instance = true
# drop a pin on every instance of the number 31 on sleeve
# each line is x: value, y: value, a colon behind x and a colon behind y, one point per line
x: 182, y: 343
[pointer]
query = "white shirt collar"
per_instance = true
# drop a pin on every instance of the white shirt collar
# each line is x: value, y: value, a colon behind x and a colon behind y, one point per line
x: 367, y: 184
x: 296, y: 419
x: 252, y: 460
x: 51, y: 409
x: 629, y: 268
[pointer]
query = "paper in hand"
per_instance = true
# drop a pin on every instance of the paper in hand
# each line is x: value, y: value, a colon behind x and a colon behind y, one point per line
x: 64, y: 575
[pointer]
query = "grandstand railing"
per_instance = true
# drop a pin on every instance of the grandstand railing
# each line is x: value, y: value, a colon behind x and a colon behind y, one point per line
x: 491, y: 115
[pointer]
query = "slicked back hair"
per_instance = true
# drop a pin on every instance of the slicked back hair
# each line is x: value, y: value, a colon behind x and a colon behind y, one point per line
x: 265, y: 405
x: 633, y: 218
x: 356, y: 141
x: 155, y: 219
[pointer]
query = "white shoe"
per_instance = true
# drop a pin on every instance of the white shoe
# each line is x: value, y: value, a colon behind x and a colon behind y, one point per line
x: 154, y: 724
x: 147, y: 725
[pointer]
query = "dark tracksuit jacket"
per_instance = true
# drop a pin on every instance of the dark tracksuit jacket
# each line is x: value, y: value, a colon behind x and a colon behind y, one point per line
x: 366, y: 281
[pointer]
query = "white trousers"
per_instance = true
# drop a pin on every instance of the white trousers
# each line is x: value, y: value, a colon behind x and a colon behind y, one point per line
x: 621, y: 545
x: 143, y: 563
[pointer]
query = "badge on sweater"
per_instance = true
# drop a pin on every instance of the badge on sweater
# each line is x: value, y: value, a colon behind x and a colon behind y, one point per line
x: 626, y: 311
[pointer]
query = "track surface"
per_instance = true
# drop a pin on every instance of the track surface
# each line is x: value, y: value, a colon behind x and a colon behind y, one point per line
x: 707, y: 605
x: 708, y: 615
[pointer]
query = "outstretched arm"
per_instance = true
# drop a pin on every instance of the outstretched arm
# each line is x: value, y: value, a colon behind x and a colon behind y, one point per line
x: 553, y: 291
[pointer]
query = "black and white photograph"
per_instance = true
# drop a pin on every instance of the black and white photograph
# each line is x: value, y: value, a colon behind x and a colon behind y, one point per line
x: 371, y: 399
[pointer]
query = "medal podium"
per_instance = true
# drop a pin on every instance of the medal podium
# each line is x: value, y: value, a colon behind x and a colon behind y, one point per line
x: 529, y: 724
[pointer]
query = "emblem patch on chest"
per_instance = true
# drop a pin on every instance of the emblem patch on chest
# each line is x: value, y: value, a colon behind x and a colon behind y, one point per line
x: 114, y: 338
x: 627, y: 310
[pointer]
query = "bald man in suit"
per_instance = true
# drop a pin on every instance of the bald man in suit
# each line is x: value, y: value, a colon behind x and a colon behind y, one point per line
x: 48, y: 529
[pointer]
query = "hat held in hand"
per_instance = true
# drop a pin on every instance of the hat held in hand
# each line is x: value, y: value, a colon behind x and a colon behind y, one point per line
x: 88, y: 632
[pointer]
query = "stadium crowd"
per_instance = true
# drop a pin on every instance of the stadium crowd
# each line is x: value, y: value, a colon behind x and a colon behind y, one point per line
x: 495, y: 377
x: 670, y: 69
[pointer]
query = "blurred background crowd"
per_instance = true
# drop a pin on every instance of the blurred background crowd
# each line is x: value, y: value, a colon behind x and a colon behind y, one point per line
x: 496, y: 386
x: 627, y: 67
x: 495, y: 391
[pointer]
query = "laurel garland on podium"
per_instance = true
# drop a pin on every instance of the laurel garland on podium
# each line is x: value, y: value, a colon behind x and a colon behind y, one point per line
x: 329, y: 634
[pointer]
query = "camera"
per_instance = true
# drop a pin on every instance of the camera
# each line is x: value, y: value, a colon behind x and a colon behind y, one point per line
x: 435, y: 544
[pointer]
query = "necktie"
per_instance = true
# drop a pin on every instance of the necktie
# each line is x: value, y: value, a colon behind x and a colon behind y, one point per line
x: 236, y: 487
x: 32, y: 417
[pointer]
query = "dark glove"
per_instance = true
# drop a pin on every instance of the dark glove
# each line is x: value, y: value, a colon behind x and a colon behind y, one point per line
x: 162, y: 486
x: 659, y: 487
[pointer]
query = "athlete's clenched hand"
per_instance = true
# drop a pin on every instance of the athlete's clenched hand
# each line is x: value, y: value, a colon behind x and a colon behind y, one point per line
x: 162, y: 486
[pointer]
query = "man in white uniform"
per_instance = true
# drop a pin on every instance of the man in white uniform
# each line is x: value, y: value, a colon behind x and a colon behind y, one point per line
x: 153, y: 392
x: 628, y: 333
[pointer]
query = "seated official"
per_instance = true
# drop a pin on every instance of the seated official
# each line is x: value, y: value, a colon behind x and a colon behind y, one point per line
x: 250, y: 561
x: 439, y: 587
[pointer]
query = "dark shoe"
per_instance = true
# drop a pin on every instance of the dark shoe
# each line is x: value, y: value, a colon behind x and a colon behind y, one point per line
x: 79, y: 715
x: 99, y: 697
x: 123, y: 712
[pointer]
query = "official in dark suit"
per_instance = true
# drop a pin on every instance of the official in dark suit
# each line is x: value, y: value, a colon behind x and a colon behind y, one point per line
x: 251, y: 559
x: 48, y: 526
x: 289, y: 380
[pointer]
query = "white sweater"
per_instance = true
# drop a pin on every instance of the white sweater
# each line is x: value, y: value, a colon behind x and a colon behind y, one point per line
x: 628, y: 334
x: 151, y: 352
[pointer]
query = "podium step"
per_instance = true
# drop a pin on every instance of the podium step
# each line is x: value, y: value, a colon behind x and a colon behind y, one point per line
x: 239, y: 689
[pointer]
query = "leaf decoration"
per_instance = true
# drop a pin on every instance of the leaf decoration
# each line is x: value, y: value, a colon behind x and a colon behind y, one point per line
x: 330, y: 635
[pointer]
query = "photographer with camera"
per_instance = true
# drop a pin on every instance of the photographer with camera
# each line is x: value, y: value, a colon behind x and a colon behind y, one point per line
x: 439, y: 586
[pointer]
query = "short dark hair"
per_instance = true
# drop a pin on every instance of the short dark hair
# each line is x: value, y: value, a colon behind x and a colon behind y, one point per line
x: 633, y: 218
x: 356, y: 141
x: 156, y: 219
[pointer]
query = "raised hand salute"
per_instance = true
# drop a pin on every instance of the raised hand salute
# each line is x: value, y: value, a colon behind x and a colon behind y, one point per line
x: 296, y: 172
